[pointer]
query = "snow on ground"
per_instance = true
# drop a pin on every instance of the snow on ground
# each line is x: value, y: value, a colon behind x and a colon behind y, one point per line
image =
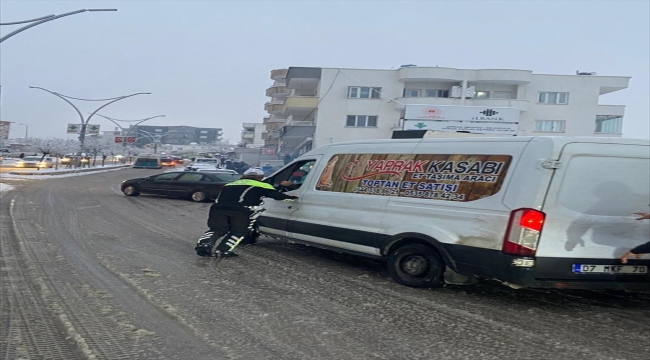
x: 38, y: 177
x: 5, y: 187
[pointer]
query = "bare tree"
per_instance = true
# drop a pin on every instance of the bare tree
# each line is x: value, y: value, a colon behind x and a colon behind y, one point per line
x: 50, y: 146
x: 93, y: 146
x: 47, y: 146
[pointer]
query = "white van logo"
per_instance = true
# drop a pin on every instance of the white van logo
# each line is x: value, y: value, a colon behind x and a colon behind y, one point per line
x: 432, y: 176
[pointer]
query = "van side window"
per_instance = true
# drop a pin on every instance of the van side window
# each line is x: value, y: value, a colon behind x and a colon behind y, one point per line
x: 296, y: 173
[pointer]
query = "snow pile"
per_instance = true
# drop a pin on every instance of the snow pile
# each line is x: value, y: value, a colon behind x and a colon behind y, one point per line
x: 5, y: 187
x: 39, y: 177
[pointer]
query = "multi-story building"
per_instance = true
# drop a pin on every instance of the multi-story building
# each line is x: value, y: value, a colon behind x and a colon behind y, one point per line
x: 311, y: 107
x: 251, y: 135
x: 5, y: 128
x: 175, y: 135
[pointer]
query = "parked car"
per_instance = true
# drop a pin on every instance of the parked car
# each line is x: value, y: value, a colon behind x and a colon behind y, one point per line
x: 197, y: 186
x: 35, y: 162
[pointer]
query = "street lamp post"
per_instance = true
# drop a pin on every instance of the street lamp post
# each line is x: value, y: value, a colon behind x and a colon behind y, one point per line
x: 42, y: 20
x: 84, y: 122
x: 156, y: 137
x: 124, y: 134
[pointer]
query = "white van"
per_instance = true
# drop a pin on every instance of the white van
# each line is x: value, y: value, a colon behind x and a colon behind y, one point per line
x: 527, y: 211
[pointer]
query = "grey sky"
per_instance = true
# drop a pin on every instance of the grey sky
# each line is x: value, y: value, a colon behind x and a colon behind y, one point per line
x: 207, y: 63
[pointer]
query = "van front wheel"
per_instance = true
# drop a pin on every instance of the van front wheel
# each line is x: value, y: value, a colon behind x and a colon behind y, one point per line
x: 416, y: 265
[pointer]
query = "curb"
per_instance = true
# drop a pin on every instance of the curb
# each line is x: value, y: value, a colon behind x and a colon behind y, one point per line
x: 52, y: 173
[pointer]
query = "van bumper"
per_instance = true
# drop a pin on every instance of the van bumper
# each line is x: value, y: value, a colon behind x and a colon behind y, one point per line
x: 544, y: 272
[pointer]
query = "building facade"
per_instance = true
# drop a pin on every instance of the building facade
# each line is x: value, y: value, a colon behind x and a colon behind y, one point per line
x: 251, y: 135
x: 5, y: 128
x: 311, y: 107
x: 174, y: 135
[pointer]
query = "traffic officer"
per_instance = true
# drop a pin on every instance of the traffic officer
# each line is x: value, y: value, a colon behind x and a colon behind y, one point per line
x: 233, y: 213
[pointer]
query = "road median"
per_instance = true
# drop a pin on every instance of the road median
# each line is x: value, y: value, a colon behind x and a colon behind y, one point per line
x: 63, y: 172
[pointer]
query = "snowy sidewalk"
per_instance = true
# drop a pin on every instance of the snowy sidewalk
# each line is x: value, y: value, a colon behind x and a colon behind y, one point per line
x: 60, y: 172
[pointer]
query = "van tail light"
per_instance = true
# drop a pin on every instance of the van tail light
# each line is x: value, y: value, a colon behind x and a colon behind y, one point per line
x: 522, y: 234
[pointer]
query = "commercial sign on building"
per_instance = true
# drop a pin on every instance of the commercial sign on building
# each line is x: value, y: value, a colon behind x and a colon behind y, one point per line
x: 471, y: 119
x: 455, y: 126
x: 462, y: 113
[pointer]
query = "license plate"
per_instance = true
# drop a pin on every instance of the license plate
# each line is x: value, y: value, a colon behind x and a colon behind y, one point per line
x: 610, y: 269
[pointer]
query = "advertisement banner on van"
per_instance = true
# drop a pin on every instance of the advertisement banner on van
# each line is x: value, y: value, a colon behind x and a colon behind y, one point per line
x: 448, y: 177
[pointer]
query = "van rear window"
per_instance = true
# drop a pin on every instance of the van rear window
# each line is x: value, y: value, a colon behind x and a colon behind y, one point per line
x: 606, y: 186
x: 447, y: 177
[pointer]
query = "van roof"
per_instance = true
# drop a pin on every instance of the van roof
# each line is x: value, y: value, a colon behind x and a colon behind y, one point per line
x: 558, y: 141
x: 555, y: 139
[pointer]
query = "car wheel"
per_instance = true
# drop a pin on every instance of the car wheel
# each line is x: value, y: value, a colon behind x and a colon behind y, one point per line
x: 198, y: 196
x: 131, y: 190
x: 416, y: 265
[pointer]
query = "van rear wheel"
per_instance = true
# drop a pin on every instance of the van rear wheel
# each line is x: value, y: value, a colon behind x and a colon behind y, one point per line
x: 416, y: 265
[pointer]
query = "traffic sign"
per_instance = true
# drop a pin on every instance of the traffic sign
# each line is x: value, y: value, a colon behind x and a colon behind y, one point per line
x: 73, y: 129
x: 130, y: 139
x: 118, y: 139
x: 92, y: 129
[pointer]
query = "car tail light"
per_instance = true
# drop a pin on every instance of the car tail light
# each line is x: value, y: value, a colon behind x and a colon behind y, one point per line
x: 522, y: 234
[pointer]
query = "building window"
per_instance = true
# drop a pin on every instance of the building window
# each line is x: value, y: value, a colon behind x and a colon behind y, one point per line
x: 553, y: 98
x: 502, y: 95
x: 203, y: 136
x: 609, y: 124
x: 556, y: 126
x: 482, y: 95
x: 411, y: 93
x: 361, y: 121
x: 158, y: 130
x: 204, y: 131
x: 364, y: 92
x: 437, y: 93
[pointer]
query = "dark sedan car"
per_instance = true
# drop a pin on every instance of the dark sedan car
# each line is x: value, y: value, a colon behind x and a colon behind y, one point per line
x: 196, y: 186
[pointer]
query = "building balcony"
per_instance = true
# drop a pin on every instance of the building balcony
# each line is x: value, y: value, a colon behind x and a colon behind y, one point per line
x: 277, y: 91
x: 502, y: 76
x: 618, y: 110
x: 303, y: 78
x: 519, y: 104
x: 612, y: 83
x: 496, y: 76
x: 273, y: 108
x: 248, y: 135
x: 299, y: 105
x: 279, y: 74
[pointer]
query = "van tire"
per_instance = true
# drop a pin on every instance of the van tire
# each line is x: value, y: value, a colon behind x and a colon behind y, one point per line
x: 416, y: 265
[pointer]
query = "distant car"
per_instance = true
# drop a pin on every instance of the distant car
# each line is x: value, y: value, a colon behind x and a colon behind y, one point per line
x: 167, y: 161
x: 197, y: 186
x: 35, y: 162
x: 177, y: 160
x: 200, y: 166
x: 208, y: 168
x: 213, y: 161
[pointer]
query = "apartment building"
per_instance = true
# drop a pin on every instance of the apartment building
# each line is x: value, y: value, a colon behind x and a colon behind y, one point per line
x: 311, y: 106
x: 251, y: 135
x: 175, y: 135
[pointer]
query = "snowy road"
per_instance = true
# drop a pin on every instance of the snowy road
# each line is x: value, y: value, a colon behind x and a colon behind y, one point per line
x: 87, y: 273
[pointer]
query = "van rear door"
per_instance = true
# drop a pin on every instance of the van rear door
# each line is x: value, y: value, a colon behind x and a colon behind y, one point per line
x: 589, y: 213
